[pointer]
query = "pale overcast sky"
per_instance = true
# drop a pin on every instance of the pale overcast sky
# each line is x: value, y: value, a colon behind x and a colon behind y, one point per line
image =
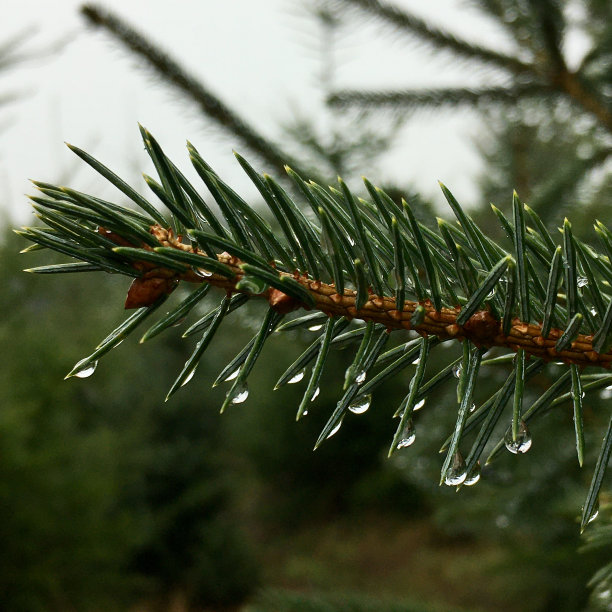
x: 254, y: 54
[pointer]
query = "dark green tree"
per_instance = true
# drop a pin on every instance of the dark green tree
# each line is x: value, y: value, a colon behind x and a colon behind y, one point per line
x: 105, y: 499
x: 548, y: 116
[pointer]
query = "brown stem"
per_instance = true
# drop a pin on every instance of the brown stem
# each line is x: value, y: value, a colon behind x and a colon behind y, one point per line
x: 481, y: 328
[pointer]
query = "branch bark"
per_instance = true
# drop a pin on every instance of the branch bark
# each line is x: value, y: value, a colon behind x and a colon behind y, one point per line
x: 481, y: 328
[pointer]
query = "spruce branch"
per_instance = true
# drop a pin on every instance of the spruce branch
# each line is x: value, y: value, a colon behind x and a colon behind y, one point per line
x: 439, y: 97
x: 475, y: 325
x: 172, y: 72
x: 436, y: 37
x: 364, y: 270
x: 545, y: 75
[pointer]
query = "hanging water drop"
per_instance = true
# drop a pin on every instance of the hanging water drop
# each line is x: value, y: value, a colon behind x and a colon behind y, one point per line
x: 456, y: 473
x: 594, y: 512
x: 189, y: 377
x: 473, y: 476
x: 582, y: 281
x: 606, y: 393
x: 233, y: 375
x: 86, y: 370
x: 419, y: 405
x: 408, y: 435
x: 523, y: 440
x: 593, y: 310
x: 472, y: 407
x: 326, y: 243
x: 457, y: 370
x: 314, y: 328
x: 315, y: 394
x: 360, y: 404
x: 297, y: 377
x: 202, y: 273
x: 335, y: 429
x: 240, y: 393
x: 394, y: 278
x: 361, y: 376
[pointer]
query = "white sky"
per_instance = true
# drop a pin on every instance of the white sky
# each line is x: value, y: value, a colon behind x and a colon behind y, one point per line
x: 254, y: 54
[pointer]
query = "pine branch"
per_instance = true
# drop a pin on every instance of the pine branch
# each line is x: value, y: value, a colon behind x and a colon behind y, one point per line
x: 438, y: 38
x: 176, y: 75
x: 547, y: 75
x: 364, y: 269
x: 439, y: 97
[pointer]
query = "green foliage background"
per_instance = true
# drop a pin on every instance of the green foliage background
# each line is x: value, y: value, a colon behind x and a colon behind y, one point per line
x: 110, y: 496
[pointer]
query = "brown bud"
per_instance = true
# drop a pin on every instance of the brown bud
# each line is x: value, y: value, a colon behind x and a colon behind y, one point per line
x: 281, y: 302
x: 453, y: 330
x: 482, y: 326
x: 146, y: 291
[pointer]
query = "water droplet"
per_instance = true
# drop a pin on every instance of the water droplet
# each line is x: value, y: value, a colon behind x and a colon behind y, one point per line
x: 240, y: 393
x: 233, y: 375
x: 393, y: 278
x: 419, y: 405
x: 455, y: 474
x: 202, y: 273
x: 189, y: 377
x: 315, y: 394
x: 603, y: 594
x: 314, y: 328
x: 416, y: 361
x: 457, y: 370
x: 305, y: 413
x: 326, y: 243
x: 523, y: 441
x: 472, y: 407
x: 474, y: 475
x: 361, y: 376
x: 335, y: 429
x: 360, y: 404
x: 87, y: 370
x: 606, y: 393
x: 593, y: 310
x: 297, y: 377
x: 582, y: 281
x: 408, y: 435
x: 594, y: 513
